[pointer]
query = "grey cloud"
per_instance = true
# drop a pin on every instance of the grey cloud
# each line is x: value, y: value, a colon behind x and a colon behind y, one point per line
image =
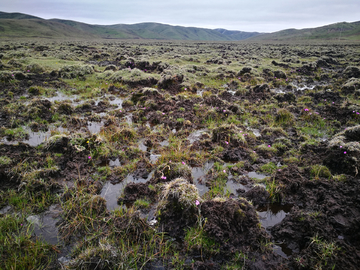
x: 245, y: 15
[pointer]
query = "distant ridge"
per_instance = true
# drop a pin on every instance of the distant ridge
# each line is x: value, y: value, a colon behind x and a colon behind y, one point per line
x: 336, y: 31
x: 16, y: 15
x: 19, y: 25
x: 16, y: 25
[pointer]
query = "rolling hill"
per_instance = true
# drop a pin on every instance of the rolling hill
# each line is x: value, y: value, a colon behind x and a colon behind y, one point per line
x: 336, y: 31
x: 16, y: 25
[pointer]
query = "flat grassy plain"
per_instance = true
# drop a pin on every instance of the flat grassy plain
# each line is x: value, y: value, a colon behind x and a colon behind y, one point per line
x: 179, y: 155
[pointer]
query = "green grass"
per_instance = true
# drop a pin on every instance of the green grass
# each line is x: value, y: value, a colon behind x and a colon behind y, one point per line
x: 18, y: 249
x: 4, y: 160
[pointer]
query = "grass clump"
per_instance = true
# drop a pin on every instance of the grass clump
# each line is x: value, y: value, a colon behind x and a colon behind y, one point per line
x: 179, y: 195
x: 83, y: 213
x: 4, y: 160
x: 317, y: 171
x: 141, y: 203
x: 73, y: 71
x: 284, y: 118
x: 268, y: 168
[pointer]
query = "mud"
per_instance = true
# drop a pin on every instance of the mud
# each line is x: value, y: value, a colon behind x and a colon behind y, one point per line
x: 261, y: 191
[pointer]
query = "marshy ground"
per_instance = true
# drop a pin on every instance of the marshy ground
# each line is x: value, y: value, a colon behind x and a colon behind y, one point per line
x: 170, y: 155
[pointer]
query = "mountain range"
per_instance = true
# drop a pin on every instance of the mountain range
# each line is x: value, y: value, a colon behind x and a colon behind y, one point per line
x: 19, y: 25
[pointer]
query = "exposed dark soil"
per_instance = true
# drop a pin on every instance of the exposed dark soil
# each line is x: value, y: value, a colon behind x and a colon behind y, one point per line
x: 310, y: 165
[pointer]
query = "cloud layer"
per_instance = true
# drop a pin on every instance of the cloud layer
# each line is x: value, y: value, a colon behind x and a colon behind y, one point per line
x: 243, y: 15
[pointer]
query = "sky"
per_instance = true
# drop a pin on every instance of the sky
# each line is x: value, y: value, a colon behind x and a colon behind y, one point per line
x: 243, y: 15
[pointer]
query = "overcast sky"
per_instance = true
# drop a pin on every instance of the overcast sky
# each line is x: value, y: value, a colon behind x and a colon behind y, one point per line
x: 243, y: 15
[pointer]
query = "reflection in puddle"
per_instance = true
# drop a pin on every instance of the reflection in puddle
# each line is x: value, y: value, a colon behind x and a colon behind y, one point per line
x: 35, y: 138
x: 232, y: 186
x: 142, y: 146
x: 111, y: 192
x: 198, y: 173
x: 95, y: 127
x: 116, y: 101
x: 271, y: 215
x: 257, y: 175
x: 154, y: 158
x: 255, y: 131
x: 44, y: 225
x: 283, y: 250
x: 62, y: 97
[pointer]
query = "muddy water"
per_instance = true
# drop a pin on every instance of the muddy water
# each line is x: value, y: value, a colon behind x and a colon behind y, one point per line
x: 271, y: 215
x: 44, y: 225
x: 232, y: 186
x: 257, y: 175
x: 117, y: 101
x: 95, y: 127
x: 154, y: 158
x: 198, y: 174
x: 62, y: 97
x: 112, y: 192
x: 35, y: 138
x: 142, y: 146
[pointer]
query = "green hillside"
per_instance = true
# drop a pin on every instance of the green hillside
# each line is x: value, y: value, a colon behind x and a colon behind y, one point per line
x: 336, y: 31
x: 37, y: 28
x: 16, y: 15
x: 18, y: 25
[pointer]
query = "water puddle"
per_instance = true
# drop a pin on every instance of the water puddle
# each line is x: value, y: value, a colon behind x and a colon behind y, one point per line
x: 44, y: 225
x: 115, y: 163
x: 283, y: 250
x: 303, y: 87
x: 128, y: 118
x: 255, y: 131
x: 111, y: 192
x: 35, y: 138
x: 62, y: 97
x: 256, y: 175
x: 117, y: 101
x: 194, y: 136
x: 198, y: 174
x: 200, y: 92
x: 232, y: 186
x: 271, y: 215
x: 164, y: 143
x: 142, y: 146
x: 154, y: 158
x: 94, y: 127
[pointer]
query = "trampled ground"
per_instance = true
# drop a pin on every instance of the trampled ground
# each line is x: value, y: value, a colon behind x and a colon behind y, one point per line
x: 165, y: 155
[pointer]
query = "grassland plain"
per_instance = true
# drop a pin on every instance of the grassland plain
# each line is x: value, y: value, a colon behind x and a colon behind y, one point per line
x: 179, y: 155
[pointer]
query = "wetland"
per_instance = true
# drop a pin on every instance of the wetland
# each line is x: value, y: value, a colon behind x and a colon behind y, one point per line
x: 179, y: 155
